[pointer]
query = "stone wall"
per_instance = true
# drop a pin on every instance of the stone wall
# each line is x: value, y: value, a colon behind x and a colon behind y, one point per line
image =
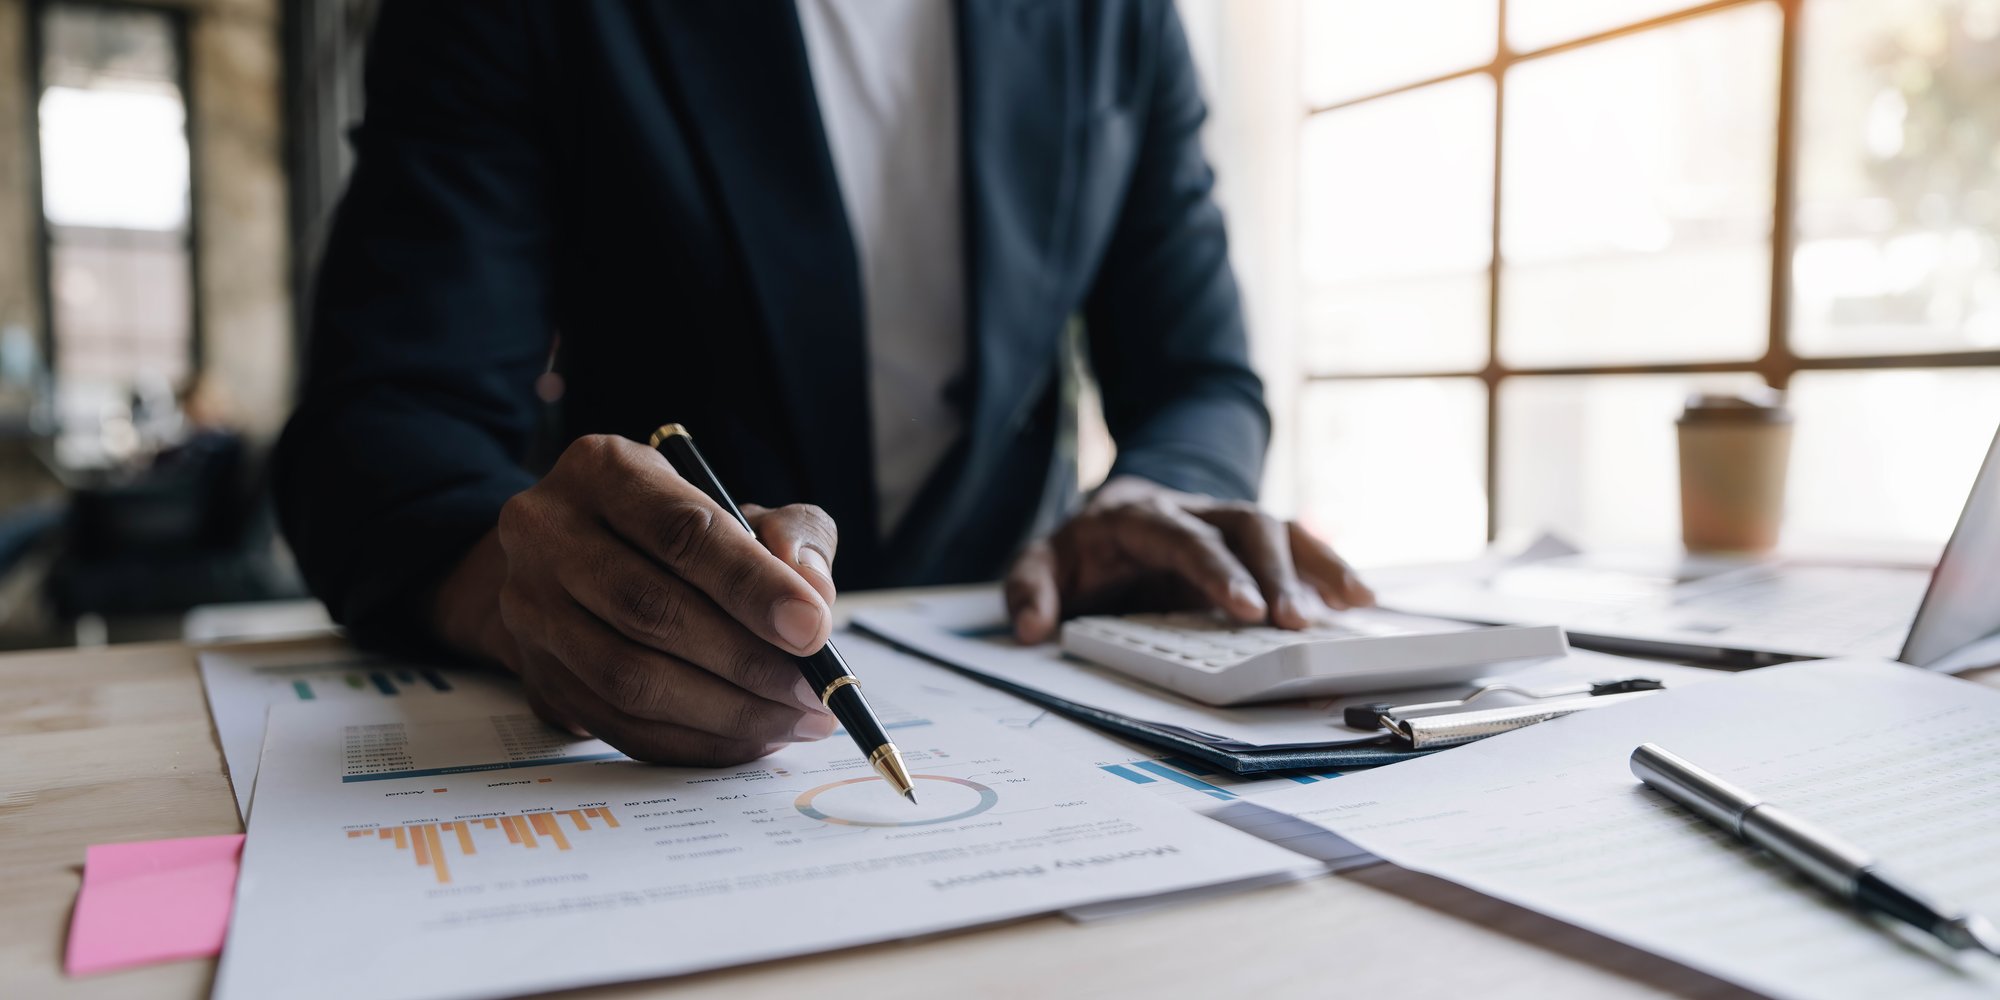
x: 19, y: 275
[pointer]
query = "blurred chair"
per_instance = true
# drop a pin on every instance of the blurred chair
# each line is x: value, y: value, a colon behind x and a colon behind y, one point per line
x: 192, y: 528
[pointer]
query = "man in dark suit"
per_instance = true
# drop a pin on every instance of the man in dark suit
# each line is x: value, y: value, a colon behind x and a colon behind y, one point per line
x: 841, y: 240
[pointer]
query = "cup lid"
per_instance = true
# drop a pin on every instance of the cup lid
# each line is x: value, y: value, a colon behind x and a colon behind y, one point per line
x: 1760, y: 404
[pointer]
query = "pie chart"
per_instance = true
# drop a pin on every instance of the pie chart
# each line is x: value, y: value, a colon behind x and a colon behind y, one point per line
x: 869, y: 801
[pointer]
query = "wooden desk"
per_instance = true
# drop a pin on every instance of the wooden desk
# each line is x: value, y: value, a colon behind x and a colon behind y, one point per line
x: 115, y: 744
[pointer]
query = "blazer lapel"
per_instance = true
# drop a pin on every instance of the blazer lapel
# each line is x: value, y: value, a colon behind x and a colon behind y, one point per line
x: 744, y: 80
x: 1016, y: 70
x: 1016, y: 73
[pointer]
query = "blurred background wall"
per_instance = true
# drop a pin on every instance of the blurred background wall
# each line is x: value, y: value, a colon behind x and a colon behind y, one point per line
x: 118, y: 82
x: 1487, y: 247
x: 147, y: 305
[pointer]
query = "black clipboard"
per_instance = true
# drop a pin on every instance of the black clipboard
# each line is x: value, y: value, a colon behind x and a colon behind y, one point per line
x: 1347, y: 755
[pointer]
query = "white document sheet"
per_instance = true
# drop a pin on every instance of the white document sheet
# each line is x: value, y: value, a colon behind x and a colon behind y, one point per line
x: 243, y: 683
x: 1202, y: 787
x: 401, y: 854
x: 970, y: 631
x: 1903, y: 762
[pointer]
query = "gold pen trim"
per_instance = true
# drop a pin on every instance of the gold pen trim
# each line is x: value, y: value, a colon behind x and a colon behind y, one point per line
x: 666, y: 431
x: 826, y: 696
x: 889, y: 764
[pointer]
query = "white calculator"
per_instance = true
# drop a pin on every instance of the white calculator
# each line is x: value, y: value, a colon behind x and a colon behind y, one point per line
x: 1207, y: 658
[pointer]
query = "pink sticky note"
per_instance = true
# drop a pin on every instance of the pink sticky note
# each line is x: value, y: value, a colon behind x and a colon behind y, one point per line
x: 152, y: 901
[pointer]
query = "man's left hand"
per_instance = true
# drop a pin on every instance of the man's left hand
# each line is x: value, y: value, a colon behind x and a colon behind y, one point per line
x: 1139, y: 546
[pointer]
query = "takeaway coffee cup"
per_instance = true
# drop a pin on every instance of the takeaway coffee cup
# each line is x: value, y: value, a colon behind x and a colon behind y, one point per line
x: 1734, y: 450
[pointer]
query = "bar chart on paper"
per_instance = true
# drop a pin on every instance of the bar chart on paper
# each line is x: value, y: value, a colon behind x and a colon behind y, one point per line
x: 430, y: 845
x: 243, y: 684
x: 432, y: 848
x: 308, y: 680
x: 1193, y: 781
x: 500, y: 882
x: 386, y: 751
x: 465, y: 800
x: 332, y: 673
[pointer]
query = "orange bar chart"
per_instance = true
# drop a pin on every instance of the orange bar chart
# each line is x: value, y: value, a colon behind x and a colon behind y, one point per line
x: 425, y: 842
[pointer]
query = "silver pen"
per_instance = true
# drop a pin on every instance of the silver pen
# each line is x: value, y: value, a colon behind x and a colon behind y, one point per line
x: 1826, y: 860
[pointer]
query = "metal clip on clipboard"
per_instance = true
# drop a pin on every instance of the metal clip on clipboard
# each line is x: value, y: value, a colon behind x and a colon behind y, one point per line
x: 1437, y: 724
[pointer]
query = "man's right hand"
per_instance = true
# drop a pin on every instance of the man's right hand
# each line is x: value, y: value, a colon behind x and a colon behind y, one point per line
x: 638, y: 611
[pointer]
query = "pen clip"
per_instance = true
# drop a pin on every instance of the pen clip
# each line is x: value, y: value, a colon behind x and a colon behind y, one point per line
x: 1384, y: 715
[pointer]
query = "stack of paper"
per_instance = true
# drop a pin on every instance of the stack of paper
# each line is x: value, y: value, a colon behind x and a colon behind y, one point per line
x: 409, y: 856
x: 419, y: 834
x: 1901, y: 761
x: 243, y: 684
x: 970, y: 632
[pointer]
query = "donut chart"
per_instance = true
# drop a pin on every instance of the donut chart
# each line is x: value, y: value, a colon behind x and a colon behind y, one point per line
x: 859, y: 802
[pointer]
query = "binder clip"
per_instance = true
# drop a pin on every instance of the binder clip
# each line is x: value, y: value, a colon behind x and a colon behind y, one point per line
x: 1437, y: 724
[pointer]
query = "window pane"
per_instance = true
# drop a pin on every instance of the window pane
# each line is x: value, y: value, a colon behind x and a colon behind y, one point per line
x: 1595, y: 459
x: 115, y: 192
x: 1358, y: 47
x: 1394, y: 470
x: 1397, y: 224
x: 1636, y: 210
x: 121, y: 302
x: 1534, y: 24
x: 113, y: 124
x: 114, y: 158
x: 1899, y: 178
x: 1886, y: 455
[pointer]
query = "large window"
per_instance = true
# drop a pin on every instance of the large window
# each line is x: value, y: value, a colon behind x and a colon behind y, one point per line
x: 112, y: 119
x: 1529, y: 228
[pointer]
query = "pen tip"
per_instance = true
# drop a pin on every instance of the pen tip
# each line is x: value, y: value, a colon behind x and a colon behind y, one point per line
x: 889, y: 764
x: 1979, y: 934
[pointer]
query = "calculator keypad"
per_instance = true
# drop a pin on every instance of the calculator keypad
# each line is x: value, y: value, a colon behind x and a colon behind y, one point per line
x: 1203, y: 641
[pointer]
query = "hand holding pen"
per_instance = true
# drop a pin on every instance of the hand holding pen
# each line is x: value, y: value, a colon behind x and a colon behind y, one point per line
x: 638, y: 611
x: 826, y: 671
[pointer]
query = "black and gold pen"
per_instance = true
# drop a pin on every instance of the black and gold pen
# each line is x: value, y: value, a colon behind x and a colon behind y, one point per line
x: 839, y: 690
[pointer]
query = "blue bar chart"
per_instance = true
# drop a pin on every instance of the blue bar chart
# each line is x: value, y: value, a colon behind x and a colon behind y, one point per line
x: 1187, y: 777
x: 386, y: 683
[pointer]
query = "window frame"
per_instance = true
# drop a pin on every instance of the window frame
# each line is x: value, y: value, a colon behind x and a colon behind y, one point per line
x: 1779, y: 361
x: 178, y: 27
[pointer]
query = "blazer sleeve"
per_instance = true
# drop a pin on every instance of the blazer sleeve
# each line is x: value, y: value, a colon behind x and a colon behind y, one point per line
x: 431, y: 320
x: 1163, y: 318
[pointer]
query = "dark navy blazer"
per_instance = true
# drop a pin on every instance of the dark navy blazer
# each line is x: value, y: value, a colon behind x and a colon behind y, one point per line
x: 646, y: 183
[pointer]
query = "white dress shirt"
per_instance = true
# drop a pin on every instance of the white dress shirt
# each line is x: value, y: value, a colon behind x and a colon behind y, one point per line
x: 886, y: 76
